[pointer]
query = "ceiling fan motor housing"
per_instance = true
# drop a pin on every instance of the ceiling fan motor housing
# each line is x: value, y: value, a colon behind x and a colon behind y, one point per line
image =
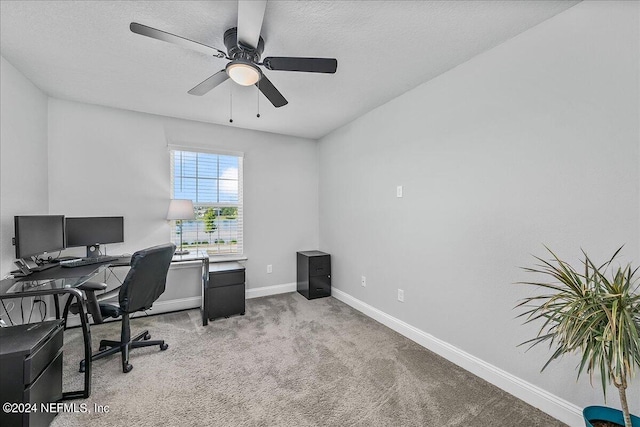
x: 237, y: 50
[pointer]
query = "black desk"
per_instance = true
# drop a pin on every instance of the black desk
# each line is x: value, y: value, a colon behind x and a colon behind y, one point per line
x: 61, y: 280
x: 56, y: 281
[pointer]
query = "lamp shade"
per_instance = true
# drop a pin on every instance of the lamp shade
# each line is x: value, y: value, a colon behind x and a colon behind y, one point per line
x: 181, y: 209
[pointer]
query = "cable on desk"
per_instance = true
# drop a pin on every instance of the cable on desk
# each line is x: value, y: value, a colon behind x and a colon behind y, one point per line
x: 7, y: 311
x: 50, y: 258
x: 33, y: 304
x: 11, y: 304
x: 100, y: 250
x: 112, y: 273
x: 43, y: 315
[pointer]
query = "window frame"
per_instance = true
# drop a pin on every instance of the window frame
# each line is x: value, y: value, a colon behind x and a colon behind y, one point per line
x: 239, y: 245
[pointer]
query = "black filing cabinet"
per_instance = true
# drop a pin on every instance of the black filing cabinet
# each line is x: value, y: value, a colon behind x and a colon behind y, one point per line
x: 30, y: 371
x: 314, y: 274
x: 225, y: 293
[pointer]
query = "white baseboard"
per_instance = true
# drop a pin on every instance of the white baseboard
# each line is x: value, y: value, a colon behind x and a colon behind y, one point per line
x: 270, y: 290
x: 553, y: 405
x: 175, y: 305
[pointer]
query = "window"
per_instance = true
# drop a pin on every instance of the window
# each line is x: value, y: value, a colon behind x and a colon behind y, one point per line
x: 214, y: 183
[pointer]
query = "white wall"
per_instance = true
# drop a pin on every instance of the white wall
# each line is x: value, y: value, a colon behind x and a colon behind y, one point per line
x: 105, y: 161
x: 534, y: 142
x: 23, y: 155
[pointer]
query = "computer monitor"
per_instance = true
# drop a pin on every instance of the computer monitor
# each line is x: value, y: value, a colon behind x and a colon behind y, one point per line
x: 38, y: 234
x: 94, y: 231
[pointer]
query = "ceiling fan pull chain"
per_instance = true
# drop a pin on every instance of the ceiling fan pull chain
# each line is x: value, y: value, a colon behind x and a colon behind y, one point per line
x: 258, y: 115
x: 230, y: 104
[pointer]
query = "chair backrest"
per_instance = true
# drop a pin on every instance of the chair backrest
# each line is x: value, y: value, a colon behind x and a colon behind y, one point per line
x: 146, y: 279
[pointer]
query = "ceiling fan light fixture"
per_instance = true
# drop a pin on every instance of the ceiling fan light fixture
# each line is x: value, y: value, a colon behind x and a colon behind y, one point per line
x: 244, y: 73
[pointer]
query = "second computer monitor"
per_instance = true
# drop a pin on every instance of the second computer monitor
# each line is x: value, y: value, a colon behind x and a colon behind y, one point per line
x: 37, y: 234
x: 93, y: 231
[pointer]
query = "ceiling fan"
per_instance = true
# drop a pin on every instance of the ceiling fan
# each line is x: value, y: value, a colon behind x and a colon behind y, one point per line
x: 244, y: 48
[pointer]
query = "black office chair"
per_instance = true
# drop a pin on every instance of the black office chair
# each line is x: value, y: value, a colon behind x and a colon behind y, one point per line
x: 143, y: 285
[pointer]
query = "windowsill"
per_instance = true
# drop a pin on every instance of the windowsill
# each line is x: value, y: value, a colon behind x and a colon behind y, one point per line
x: 190, y: 263
x: 225, y: 258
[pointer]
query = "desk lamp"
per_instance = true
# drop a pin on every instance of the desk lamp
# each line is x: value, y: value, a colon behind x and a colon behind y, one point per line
x: 180, y: 210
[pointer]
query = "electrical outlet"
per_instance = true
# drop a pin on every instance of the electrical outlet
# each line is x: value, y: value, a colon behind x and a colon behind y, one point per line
x: 363, y: 282
x: 269, y: 269
x: 399, y: 191
x: 400, y: 295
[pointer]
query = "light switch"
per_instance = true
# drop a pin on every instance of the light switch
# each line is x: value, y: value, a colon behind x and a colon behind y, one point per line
x: 399, y: 191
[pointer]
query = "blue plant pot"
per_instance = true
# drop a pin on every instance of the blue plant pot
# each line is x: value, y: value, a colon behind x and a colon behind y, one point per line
x: 606, y: 414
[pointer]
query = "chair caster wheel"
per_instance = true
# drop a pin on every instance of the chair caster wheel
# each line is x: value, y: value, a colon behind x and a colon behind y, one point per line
x: 146, y: 337
x: 127, y: 368
x: 164, y: 346
x: 82, y: 366
x: 242, y: 314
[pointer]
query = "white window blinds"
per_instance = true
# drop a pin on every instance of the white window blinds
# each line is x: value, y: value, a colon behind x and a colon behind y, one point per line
x: 214, y: 183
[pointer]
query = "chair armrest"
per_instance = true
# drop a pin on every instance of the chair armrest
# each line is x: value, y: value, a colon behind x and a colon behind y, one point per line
x: 89, y: 289
x: 93, y: 286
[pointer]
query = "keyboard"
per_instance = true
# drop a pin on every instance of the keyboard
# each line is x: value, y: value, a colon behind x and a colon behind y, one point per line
x: 79, y: 262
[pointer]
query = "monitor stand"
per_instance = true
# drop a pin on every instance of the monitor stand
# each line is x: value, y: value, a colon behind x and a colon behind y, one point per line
x: 93, y: 251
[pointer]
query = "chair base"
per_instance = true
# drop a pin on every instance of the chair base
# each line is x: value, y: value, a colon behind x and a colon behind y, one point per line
x: 109, y: 347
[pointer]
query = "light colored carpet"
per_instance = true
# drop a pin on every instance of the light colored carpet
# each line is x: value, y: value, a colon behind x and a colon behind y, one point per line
x: 287, y: 362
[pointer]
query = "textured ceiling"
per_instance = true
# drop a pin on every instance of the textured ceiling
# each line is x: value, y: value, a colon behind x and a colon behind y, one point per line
x: 84, y: 51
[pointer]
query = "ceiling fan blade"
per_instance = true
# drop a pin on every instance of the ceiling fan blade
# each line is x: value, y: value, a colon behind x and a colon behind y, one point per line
x: 250, y: 15
x: 269, y: 90
x: 309, y: 65
x: 209, y: 83
x: 154, y: 33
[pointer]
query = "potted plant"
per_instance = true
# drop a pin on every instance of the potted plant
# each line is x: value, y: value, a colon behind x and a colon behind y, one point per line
x: 595, y: 314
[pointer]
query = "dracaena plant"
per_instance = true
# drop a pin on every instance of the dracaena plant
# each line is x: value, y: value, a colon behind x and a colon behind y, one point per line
x: 594, y: 312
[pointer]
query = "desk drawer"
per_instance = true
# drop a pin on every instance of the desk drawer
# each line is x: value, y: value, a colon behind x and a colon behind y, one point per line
x: 225, y: 301
x: 46, y: 389
x: 226, y: 278
x: 319, y: 265
x: 319, y: 286
x: 34, y: 364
